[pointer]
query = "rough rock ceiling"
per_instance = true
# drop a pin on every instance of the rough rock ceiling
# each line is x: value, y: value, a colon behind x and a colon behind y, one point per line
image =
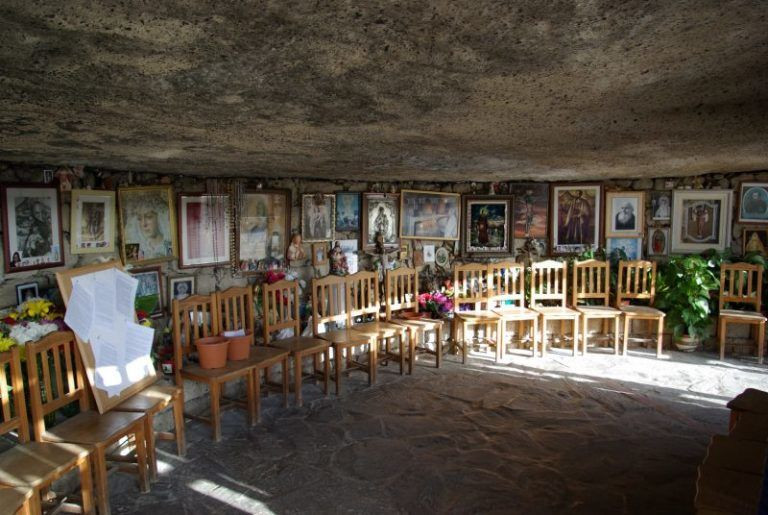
x: 387, y: 90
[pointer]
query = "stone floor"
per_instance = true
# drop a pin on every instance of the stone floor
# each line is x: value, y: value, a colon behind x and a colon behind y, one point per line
x: 594, y: 434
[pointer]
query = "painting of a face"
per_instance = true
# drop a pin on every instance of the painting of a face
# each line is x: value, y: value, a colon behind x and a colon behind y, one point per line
x: 146, y: 221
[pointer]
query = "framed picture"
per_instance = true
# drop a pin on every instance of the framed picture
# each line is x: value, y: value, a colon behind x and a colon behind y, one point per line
x: 487, y: 224
x: 263, y: 229
x: 92, y: 221
x: 180, y: 288
x: 574, y: 220
x: 753, y: 202
x: 403, y: 252
x: 25, y: 292
x: 204, y: 230
x: 658, y: 241
x: 317, y: 217
x: 31, y: 227
x: 320, y: 253
x: 347, y: 211
x: 429, y: 215
x: 702, y: 220
x: 349, y: 246
x: 632, y: 247
x: 624, y: 214
x: 149, y: 294
x: 661, y: 206
x: 147, y: 224
x: 442, y: 258
x: 753, y: 240
x: 531, y: 206
x: 380, y: 214
x: 429, y: 253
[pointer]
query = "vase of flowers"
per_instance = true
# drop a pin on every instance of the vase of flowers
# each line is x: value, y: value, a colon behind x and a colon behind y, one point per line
x: 435, y: 303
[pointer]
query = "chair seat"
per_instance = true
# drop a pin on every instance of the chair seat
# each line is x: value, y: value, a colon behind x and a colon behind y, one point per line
x: 152, y: 399
x: 598, y: 311
x: 742, y: 315
x: 641, y: 311
x: 344, y: 337
x: 477, y: 316
x: 516, y: 313
x: 383, y: 329
x: 12, y: 498
x: 92, y: 428
x: 418, y: 323
x: 300, y: 344
x: 261, y: 356
x: 36, y: 463
x: 556, y: 311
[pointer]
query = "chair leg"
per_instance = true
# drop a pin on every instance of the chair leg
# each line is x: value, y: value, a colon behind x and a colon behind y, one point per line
x: 178, y: 422
x: 500, y: 339
x: 627, y: 323
x: 374, y: 359
x: 149, y: 433
x: 251, y: 398
x: 535, y: 336
x: 412, y: 339
x: 326, y: 367
x: 285, y: 382
x: 722, y: 324
x: 101, y: 484
x: 575, y: 335
x: 86, y: 485
x: 215, y: 410
x: 257, y: 393
x: 616, y: 324
x: 584, y: 333
x: 297, y: 378
x: 543, y: 337
x: 401, y: 339
x: 141, y: 457
x: 338, y: 360
x: 760, y: 342
x: 659, y: 337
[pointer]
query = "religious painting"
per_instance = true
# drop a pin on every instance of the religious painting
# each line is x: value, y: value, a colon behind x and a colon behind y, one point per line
x: 380, y: 215
x: 92, y: 223
x: 25, y: 292
x: 204, y: 230
x: 531, y: 206
x: 575, y: 218
x: 702, y: 220
x: 147, y: 224
x: 624, y: 214
x: 149, y: 293
x: 179, y: 288
x: 263, y: 230
x: 347, y: 211
x: 319, y: 253
x: 658, y: 241
x: 754, y: 240
x: 661, y: 206
x: 753, y: 202
x: 429, y: 215
x: 487, y: 224
x: 31, y: 227
x: 631, y: 247
x: 317, y: 217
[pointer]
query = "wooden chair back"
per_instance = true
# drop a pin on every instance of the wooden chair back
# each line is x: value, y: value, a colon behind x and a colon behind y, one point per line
x: 56, y: 378
x: 363, y: 294
x: 329, y: 302
x: 741, y: 283
x: 637, y: 281
x: 235, y: 306
x: 591, y: 281
x: 192, y: 318
x: 401, y: 291
x: 549, y: 283
x: 12, y: 403
x: 470, y: 286
x: 506, y: 284
x: 281, y: 308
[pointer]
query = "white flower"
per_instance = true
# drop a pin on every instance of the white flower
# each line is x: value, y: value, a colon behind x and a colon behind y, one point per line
x: 31, y: 331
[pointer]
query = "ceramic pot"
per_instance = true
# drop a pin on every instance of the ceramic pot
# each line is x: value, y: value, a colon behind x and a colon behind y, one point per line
x: 411, y: 315
x: 240, y: 347
x: 687, y: 344
x: 212, y: 351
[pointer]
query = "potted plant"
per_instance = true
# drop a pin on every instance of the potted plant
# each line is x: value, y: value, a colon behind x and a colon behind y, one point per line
x: 683, y: 288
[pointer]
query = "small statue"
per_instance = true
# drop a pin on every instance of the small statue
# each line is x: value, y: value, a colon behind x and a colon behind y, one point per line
x: 338, y: 260
x: 295, y: 249
x: 379, y: 239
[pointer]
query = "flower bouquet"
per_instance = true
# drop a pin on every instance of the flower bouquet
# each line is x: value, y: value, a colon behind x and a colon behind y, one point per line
x: 435, y: 303
x: 32, y: 320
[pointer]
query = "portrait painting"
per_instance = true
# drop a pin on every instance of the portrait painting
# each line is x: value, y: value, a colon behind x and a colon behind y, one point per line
x: 625, y: 213
x: 632, y: 247
x: 25, y: 292
x: 754, y: 240
x: 487, y: 224
x: 149, y: 293
x: 531, y: 207
x: 204, y: 226
x: 147, y: 224
x: 380, y: 215
x: 179, y: 288
x: 702, y: 220
x: 658, y: 241
x: 31, y: 227
x: 753, y: 202
x: 661, y: 206
x: 429, y: 215
x: 575, y: 218
x: 92, y: 221
x: 263, y: 229
x: 347, y: 211
x: 318, y: 217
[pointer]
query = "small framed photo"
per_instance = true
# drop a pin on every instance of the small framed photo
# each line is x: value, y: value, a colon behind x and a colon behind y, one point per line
x: 149, y: 294
x: 658, y: 241
x: 347, y: 211
x: 318, y: 213
x: 320, y: 253
x: 403, y: 251
x: 25, y: 292
x: 429, y: 253
x: 429, y: 215
x: 632, y: 247
x: 487, y: 225
x: 575, y: 220
x: 753, y: 202
x: 380, y: 214
x: 661, y: 206
x: 179, y: 288
x: 754, y: 240
x: 625, y: 214
x: 92, y: 224
x: 147, y: 224
x: 204, y: 230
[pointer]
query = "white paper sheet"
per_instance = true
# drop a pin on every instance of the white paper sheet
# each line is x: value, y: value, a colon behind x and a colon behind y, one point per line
x: 138, y: 347
x: 125, y: 294
x: 104, y: 296
x: 80, y: 312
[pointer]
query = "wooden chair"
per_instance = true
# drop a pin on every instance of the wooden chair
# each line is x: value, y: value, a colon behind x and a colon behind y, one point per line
x: 741, y: 283
x: 506, y: 296
x: 28, y: 469
x: 330, y: 301
x: 549, y: 283
x: 637, y: 281
x: 592, y: 282
x: 402, y: 296
x: 470, y: 286
x: 281, y: 311
x: 99, y: 433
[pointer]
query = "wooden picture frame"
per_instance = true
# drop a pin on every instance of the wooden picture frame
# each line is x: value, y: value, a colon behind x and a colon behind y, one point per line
x: 181, y: 287
x: 380, y: 212
x: 205, y: 229
x: 263, y: 230
x: 754, y: 239
x: 575, y: 219
x: 702, y: 220
x: 347, y: 211
x: 624, y: 214
x: 92, y: 221
x: 487, y: 227
x: 430, y: 215
x: 23, y: 292
x: 32, y: 235
x: 147, y: 224
x: 319, y: 253
x: 318, y: 217
x: 149, y: 294
x: 658, y: 241
x: 753, y: 202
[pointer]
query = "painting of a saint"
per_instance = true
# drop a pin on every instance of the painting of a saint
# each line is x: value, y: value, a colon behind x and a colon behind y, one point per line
x: 575, y: 218
x: 487, y: 224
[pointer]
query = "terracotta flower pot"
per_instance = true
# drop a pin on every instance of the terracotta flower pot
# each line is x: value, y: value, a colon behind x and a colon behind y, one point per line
x: 240, y: 347
x: 212, y: 351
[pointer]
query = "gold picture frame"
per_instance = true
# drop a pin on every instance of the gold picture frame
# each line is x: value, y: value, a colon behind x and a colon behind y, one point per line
x: 430, y: 215
x: 136, y: 201
x: 92, y: 222
x: 624, y: 214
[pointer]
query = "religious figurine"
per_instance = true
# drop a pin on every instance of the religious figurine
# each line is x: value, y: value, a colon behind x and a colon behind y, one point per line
x: 338, y: 260
x: 295, y: 249
x: 379, y: 242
